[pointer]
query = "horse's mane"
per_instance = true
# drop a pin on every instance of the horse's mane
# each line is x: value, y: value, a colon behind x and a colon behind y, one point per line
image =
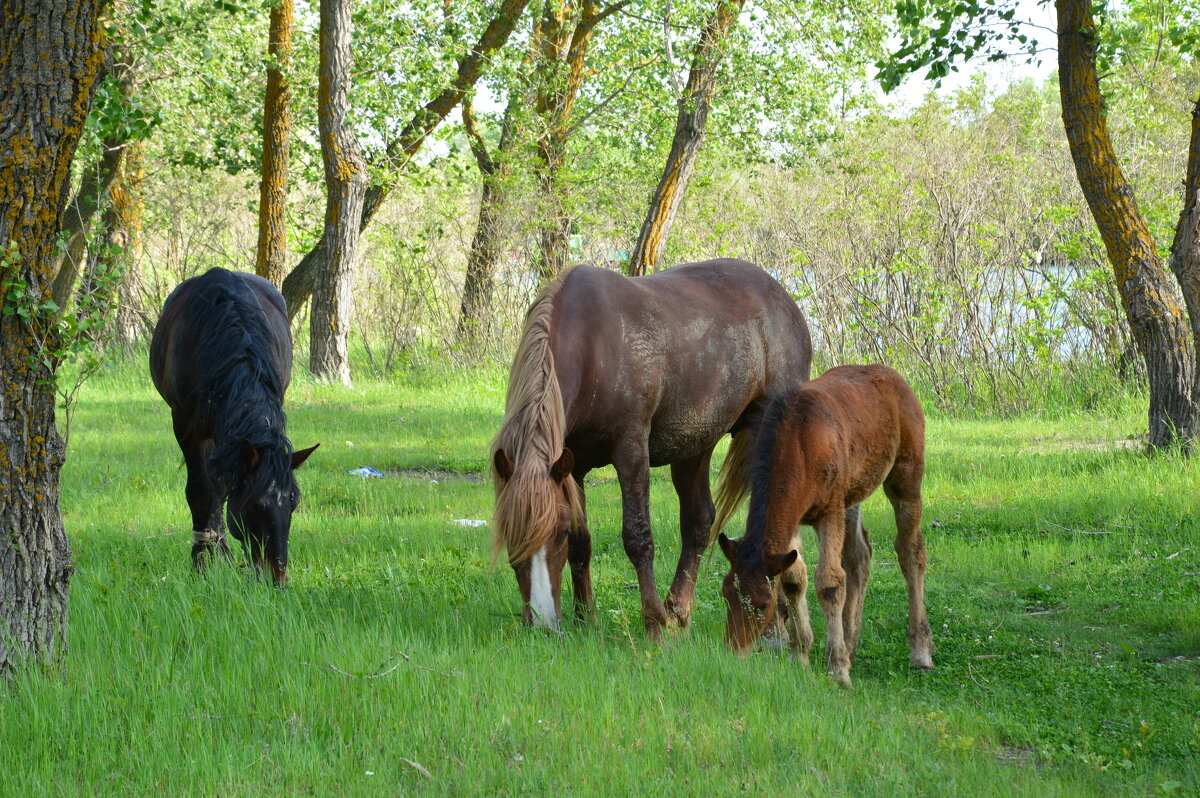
x: 747, y: 471
x: 243, y: 387
x: 532, y: 435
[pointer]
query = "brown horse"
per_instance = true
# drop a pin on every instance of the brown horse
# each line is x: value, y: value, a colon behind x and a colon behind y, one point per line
x: 821, y: 451
x: 636, y: 372
x: 221, y: 357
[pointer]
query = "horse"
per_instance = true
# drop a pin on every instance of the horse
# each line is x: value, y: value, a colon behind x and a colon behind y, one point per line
x: 820, y: 451
x: 635, y: 372
x: 221, y: 357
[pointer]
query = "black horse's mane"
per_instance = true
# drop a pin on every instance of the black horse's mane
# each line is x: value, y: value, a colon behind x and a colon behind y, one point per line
x: 766, y: 441
x: 243, y: 387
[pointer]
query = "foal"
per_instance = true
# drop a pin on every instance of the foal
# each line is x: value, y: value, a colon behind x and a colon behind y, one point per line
x: 821, y: 451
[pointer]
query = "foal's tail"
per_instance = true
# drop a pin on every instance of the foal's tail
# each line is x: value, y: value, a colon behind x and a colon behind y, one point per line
x: 733, y: 481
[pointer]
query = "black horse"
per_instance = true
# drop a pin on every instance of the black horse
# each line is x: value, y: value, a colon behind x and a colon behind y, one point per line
x: 221, y: 356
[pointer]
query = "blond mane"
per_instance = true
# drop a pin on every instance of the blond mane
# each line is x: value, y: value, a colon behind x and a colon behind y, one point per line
x: 532, y: 435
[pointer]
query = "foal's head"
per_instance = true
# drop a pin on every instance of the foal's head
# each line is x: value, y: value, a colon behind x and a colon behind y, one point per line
x: 749, y: 590
x: 536, y: 506
x: 261, y: 503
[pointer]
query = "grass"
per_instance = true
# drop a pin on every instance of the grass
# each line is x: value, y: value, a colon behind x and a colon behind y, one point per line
x: 1063, y: 590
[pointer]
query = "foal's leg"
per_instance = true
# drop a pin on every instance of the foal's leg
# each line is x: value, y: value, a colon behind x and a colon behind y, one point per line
x: 696, y: 513
x: 831, y: 593
x: 632, y: 462
x: 793, y: 585
x: 905, y: 496
x: 579, y: 555
x: 856, y: 560
x: 208, y: 528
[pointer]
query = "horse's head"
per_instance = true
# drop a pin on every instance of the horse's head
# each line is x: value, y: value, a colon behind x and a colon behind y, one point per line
x: 261, y: 504
x: 749, y: 591
x: 536, y: 506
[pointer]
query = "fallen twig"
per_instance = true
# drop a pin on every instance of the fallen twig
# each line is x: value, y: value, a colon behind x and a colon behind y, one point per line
x: 419, y: 767
x: 404, y: 658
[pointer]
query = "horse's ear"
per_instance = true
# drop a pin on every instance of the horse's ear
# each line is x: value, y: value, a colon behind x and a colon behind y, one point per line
x: 728, y: 547
x: 563, y: 467
x: 504, y: 467
x: 299, y: 457
x: 780, y: 562
x: 251, y: 457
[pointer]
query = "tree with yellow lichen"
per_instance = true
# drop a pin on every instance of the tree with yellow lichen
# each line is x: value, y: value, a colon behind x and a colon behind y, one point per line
x: 277, y: 125
x: 695, y: 101
x: 51, y: 55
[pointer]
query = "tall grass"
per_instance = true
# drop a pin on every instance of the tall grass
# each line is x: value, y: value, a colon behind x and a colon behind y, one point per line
x: 1063, y: 592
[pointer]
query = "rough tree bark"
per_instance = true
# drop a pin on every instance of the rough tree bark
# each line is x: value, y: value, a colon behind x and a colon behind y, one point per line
x: 277, y: 125
x: 345, y: 189
x: 1185, y: 256
x: 690, y: 122
x: 1155, y: 316
x: 51, y: 54
x: 298, y: 285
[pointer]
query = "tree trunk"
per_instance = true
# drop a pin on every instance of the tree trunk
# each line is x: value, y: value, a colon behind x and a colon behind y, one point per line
x: 559, y: 78
x: 51, y: 55
x: 493, y: 203
x: 690, y: 123
x: 114, y: 273
x: 131, y: 319
x: 298, y: 285
x: 1155, y: 317
x: 277, y: 124
x: 93, y: 188
x: 346, y: 185
x: 1185, y: 255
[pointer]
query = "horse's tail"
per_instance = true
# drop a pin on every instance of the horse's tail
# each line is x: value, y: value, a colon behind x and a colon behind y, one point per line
x: 733, y: 480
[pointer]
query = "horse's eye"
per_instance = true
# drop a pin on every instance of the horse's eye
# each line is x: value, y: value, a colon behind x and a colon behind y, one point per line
x: 761, y: 606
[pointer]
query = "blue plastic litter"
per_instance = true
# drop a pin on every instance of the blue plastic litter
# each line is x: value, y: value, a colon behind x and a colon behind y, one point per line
x: 365, y: 472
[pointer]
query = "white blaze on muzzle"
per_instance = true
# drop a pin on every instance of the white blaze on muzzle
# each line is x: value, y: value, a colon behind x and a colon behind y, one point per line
x: 541, y: 597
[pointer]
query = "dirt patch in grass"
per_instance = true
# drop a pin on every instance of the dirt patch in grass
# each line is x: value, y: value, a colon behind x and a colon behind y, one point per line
x: 1017, y: 755
x: 436, y: 475
x: 1056, y: 443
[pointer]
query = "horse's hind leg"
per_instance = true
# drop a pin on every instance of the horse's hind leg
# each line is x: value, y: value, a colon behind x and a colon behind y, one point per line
x: 696, y: 513
x: 632, y: 461
x: 856, y: 560
x: 831, y: 593
x: 905, y: 496
x: 793, y: 586
x: 579, y: 555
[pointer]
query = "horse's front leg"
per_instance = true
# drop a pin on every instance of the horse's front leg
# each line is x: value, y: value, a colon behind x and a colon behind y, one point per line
x: 831, y: 593
x: 579, y: 555
x: 633, y: 472
x: 696, y: 513
x: 203, y: 498
x: 793, y: 588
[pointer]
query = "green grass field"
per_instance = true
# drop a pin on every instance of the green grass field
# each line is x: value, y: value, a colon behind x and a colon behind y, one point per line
x: 1064, y: 592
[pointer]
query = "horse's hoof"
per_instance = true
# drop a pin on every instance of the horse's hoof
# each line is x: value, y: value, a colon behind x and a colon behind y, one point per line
x: 921, y: 662
x: 842, y: 679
